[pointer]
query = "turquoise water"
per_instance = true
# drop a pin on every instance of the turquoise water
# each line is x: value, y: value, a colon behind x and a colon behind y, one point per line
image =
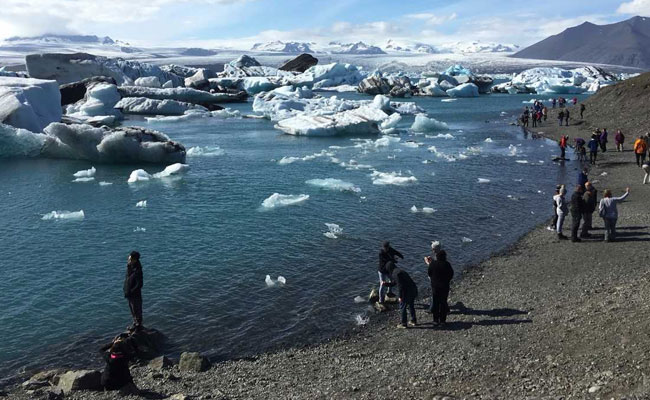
x: 207, y: 244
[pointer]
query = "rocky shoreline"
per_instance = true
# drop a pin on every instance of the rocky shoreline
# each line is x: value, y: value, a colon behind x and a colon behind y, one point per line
x: 544, y: 319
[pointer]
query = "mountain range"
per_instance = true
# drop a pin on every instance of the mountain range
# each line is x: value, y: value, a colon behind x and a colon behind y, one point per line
x: 624, y: 43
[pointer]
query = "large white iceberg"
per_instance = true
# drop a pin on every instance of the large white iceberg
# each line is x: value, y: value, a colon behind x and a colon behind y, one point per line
x: 144, y: 106
x: 423, y: 123
x: 100, y: 100
x: 29, y: 103
x: 334, y: 74
x: 187, y: 95
x: 464, y: 90
x: 550, y: 81
x: 363, y: 120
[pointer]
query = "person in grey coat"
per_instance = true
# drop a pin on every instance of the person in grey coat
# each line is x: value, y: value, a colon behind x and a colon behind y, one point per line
x: 609, y: 213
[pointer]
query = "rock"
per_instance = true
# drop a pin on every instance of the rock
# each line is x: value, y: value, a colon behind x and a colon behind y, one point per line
x: 148, y: 343
x: 28, y: 103
x: 245, y: 61
x: 178, y: 396
x: 483, y: 82
x: 594, y: 389
x: 51, y: 376
x: 300, y: 63
x: 447, y: 78
x: 374, y: 85
x: 148, y: 81
x: 75, y: 91
x: 160, y: 363
x: 374, y: 296
x: 34, y: 384
x: 55, y: 394
x: 129, y: 389
x: 80, y: 380
x: 193, y: 362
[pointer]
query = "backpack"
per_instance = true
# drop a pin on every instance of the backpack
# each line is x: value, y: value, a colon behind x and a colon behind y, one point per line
x: 602, y: 211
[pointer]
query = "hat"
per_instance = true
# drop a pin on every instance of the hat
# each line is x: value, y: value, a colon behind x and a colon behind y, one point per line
x: 436, y: 245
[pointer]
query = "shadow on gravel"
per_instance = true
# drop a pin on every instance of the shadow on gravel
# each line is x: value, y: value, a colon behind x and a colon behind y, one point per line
x: 460, y: 308
x: 148, y: 394
x: 464, y: 325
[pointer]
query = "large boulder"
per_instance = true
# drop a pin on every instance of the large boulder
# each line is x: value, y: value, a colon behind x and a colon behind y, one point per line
x: 245, y: 61
x: 200, y: 79
x: 300, y: 63
x: 30, y: 104
x: 80, y: 380
x: 374, y: 85
x: 193, y: 362
x: 160, y: 363
x: 483, y: 82
x: 75, y: 91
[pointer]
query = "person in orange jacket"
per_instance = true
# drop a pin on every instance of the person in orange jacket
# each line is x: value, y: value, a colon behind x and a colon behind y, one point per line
x: 640, y: 148
x: 563, y: 143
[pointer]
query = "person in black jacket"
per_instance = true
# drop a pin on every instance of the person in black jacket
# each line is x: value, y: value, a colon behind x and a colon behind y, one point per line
x: 386, y: 254
x: 577, y: 209
x: 591, y: 201
x: 440, y: 273
x: 116, y: 374
x: 133, y: 289
x: 407, y: 290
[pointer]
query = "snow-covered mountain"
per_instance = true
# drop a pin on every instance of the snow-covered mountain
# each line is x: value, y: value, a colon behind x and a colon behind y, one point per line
x: 409, y: 47
x: 478, y: 47
x: 65, y: 39
x: 284, y: 47
x: 353, y: 48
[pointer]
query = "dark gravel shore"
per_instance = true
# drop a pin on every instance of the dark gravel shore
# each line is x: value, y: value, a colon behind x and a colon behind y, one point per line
x: 547, y: 319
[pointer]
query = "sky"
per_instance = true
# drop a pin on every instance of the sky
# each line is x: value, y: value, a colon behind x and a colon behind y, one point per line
x: 241, y: 23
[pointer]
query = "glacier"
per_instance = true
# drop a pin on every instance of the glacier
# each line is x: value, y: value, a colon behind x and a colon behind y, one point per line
x: 29, y: 103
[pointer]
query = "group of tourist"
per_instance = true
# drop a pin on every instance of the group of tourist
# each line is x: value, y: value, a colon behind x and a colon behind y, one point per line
x: 582, y: 205
x: 537, y: 113
x: 440, y: 275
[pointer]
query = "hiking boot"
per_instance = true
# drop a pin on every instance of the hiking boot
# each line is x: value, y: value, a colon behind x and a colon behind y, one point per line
x: 562, y: 237
x: 401, y: 326
x: 413, y: 324
x: 576, y: 240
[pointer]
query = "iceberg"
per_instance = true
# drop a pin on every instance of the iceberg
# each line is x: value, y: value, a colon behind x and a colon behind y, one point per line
x: 464, y: 90
x: 64, y: 215
x: 334, y: 185
x: 281, y: 281
x: 148, y: 81
x: 334, y: 74
x: 282, y: 200
x: 205, y: 151
x: 187, y: 95
x: 363, y: 120
x: 391, y: 122
x: 141, y: 204
x: 333, y: 231
x: 99, y: 100
x: 391, y: 178
x: 428, y: 210
x: 28, y: 103
x: 423, y: 123
x: 85, y: 173
x: 140, y: 175
x: 145, y: 106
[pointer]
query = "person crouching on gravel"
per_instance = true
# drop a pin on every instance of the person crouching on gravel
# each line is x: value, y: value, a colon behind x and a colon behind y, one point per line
x: 440, y: 273
x: 609, y: 213
x: 408, y: 292
x: 133, y: 289
x: 561, y: 209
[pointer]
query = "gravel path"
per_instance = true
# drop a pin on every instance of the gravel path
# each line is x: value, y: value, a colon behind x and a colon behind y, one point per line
x: 546, y: 319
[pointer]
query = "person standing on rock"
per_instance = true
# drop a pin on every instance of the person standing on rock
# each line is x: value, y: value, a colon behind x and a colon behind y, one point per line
x: 133, y: 283
x: 408, y: 292
x: 603, y: 140
x: 593, y: 149
x: 577, y: 211
x: 609, y: 212
x: 386, y: 254
x: 640, y: 148
x: 440, y: 273
x: 591, y: 200
x: 619, y: 138
x: 561, y: 209
x: 582, y: 110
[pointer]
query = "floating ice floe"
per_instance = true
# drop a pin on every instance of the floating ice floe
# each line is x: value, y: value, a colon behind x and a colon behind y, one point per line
x: 145, y: 106
x: 334, y: 185
x: 334, y: 230
x: 489, y: 140
x: 483, y: 180
x: 441, y: 136
x: 359, y: 300
x: 464, y: 90
x: 363, y: 120
x: 64, y: 215
x: 140, y: 175
x: 281, y: 281
x: 104, y: 183
x: 290, y: 160
x: 466, y: 240
x: 282, y: 200
x: 139, y: 229
x: 141, y: 203
x: 423, y: 123
x: 521, y: 161
x: 391, y: 178
x: 85, y: 173
x: 428, y: 210
x: 205, y: 151
x: 193, y: 114
x: 84, y: 179
x: 439, y: 154
x: 411, y: 144
x: 414, y: 209
x: 448, y: 100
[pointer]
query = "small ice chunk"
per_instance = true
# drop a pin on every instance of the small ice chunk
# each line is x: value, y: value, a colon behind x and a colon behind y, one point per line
x: 206, y: 151
x: 391, y: 178
x: 85, y: 173
x: 522, y: 161
x: 414, y: 209
x: 489, y: 140
x: 423, y: 123
x: 603, y: 174
x: 330, y: 235
x: 269, y: 281
x: 281, y: 200
x: 361, y: 320
x: 142, y: 203
x: 282, y: 280
x: 171, y: 170
x: 483, y: 180
x: 71, y: 215
x: 466, y: 240
x: 334, y: 185
x: 84, y: 179
x: 139, y: 229
x: 103, y: 183
x: 334, y: 231
x: 139, y: 175
x: 428, y: 210
x: 448, y: 100
x: 359, y: 300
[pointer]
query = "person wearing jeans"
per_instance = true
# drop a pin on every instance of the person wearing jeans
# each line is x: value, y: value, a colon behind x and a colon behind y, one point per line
x: 591, y: 200
x: 577, y: 210
x: 133, y: 289
x: 440, y: 273
x: 608, y: 211
x: 408, y: 292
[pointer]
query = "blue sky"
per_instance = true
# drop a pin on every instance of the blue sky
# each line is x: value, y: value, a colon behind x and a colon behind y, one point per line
x: 239, y: 23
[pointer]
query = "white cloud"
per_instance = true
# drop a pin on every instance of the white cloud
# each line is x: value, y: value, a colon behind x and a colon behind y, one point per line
x: 637, y: 7
x: 432, y: 19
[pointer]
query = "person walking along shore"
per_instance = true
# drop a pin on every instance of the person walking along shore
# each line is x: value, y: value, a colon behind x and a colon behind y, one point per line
x: 591, y: 200
x: 609, y: 212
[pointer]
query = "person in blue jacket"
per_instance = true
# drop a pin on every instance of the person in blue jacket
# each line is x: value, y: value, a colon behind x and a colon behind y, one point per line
x: 593, y: 149
x: 583, y: 178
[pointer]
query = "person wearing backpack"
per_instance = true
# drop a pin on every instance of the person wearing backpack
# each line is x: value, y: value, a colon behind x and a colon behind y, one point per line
x: 640, y: 148
x: 609, y: 212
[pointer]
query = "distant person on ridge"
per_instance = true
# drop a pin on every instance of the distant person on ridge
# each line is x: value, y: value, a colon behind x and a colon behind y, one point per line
x: 440, y: 273
x: 640, y: 148
x: 593, y: 149
x: 562, y: 210
x: 560, y: 117
x: 609, y: 213
x: 577, y: 211
x: 603, y: 140
x: 591, y: 200
x: 386, y: 254
x: 619, y: 138
x: 408, y: 292
x: 582, y: 110
x: 133, y: 289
